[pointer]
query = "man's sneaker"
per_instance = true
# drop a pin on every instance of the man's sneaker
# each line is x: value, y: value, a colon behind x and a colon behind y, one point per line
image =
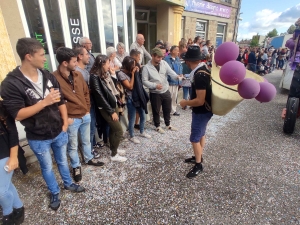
x: 136, y: 126
x: 75, y: 188
x: 94, y: 162
x: 195, y: 171
x: 160, y: 130
x: 145, y: 135
x: 8, y: 219
x: 77, y: 176
x: 121, y: 152
x: 176, y: 114
x: 99, y: 145
x: 172, y: 128
x: 192, y: 160
x: 134, y: 140
x: 19, y: 215
x: 95, y: 153
x: 118, y: 158
x: 54, y: 201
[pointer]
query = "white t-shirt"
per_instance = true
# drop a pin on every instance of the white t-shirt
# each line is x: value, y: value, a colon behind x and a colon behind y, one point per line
x: 38, y: 86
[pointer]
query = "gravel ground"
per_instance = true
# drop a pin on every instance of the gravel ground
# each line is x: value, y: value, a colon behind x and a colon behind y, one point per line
x: 251, y: 176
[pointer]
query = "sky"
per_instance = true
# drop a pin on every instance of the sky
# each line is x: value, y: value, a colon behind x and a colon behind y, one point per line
x: 262, y: 16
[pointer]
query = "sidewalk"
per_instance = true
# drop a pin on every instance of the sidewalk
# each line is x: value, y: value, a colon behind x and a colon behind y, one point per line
x: 251, y: 176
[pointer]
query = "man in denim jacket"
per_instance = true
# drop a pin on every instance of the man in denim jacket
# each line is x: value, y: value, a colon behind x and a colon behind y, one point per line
x: 174, y: 62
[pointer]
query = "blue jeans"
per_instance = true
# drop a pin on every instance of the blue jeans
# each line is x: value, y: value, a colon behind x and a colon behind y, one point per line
x: 186, y: 92
x: 41, y: 149
x: 280, y: 63
x: 9, y: 197
x: 79, y: 126
x: 252, y: 67
x: 93, y: 124
x: 131, y: 117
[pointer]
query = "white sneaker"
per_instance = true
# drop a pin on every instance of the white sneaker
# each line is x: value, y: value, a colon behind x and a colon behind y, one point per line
x: 121, y: 152
x: 145, y: 135
x: 118, y: 158
x: 135, y: 140
x: 172, y: 128
x: 160, y: 130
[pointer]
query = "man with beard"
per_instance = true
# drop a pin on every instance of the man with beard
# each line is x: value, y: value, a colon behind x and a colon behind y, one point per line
x: 154, y: 77
x: 77, y: 96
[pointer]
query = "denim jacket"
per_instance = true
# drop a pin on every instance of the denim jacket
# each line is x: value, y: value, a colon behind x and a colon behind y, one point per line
x: 176, y: 66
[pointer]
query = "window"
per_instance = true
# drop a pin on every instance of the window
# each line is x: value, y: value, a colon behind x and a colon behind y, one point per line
x: 227, y: 1
x: 221, y: 29
x: 201, y: 28
x: 91, y: 13
x: 108, y: 23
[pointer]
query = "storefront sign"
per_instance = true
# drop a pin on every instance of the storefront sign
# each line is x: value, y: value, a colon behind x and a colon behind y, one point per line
x: 209, y: 8
x: 39, y: 37
x: 75, y: 30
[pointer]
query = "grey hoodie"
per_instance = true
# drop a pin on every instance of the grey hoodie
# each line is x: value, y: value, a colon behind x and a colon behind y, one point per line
x: 151, y: 77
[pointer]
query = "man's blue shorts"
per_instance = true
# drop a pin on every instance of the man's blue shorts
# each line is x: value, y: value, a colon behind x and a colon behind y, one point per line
x: 198, y: 127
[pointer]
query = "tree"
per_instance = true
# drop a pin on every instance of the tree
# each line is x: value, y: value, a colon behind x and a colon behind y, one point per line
x: 272, y: 33
x: 291, y: 29
x: 254, y: 42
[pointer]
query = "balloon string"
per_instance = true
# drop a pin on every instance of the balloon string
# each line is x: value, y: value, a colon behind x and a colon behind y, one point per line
x: 223, y: 85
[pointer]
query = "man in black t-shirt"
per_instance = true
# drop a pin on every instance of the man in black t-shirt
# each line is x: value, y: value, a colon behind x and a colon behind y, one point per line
x: 201, y: 103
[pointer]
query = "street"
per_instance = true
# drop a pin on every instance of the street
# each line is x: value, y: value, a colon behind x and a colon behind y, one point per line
x: 251, y: 176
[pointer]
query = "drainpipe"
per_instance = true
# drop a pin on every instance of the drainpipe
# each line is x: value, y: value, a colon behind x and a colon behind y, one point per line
x: 237, y: 21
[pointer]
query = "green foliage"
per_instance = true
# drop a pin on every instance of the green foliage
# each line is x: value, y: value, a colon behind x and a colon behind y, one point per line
x: 254, y: 42
x: 291, y: 29
x: 272, y: 33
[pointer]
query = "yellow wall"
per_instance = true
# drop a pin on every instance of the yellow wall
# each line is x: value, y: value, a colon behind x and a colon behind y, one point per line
x: 13, y: 23
x: 7, y: 58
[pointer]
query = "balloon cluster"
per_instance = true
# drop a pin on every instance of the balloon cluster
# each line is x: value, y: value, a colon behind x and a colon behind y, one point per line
x: 233, y: 72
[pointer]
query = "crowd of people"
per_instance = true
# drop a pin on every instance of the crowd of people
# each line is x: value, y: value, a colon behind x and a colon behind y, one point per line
x: 62, y: 110
x: 263, y: 60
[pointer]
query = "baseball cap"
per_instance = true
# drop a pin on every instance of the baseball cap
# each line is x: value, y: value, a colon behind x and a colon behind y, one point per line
x: 157, y: 51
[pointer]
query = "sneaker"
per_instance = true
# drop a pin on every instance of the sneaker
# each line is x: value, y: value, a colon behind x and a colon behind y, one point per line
x: 176, y: 114
x: 54, y: 201
x: 195, y: 171
x: 99, y: 145
x: 125, y: 140
x: 121, y: 152
x: 94, y: 162
x: 19, y: 215
x: 145, y: 135
x: 160, y: 130
x: 172, y: 128
x: 75, y: 188
x: 77, y: 176
x: 95, y: 153
x: 137, y: 126
x: 135, y: 140
x: 192, y: 160
x: 118, y: 158
x: 8, y: 219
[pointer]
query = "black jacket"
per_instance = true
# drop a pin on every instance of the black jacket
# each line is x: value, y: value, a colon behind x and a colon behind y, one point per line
x: 140, y: 97
x: 103, y: 96
x: 17, y: 93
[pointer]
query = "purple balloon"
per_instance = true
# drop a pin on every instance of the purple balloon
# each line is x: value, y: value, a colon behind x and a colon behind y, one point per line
x: 232, y: 73
x: 290, y: 43
x: 267, y: 92
x: 248, y: 88
x: 226, y: 52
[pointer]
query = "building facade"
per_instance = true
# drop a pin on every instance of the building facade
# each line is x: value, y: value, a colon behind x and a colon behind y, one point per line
x: 215, y: 20
x: 57, y: 23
